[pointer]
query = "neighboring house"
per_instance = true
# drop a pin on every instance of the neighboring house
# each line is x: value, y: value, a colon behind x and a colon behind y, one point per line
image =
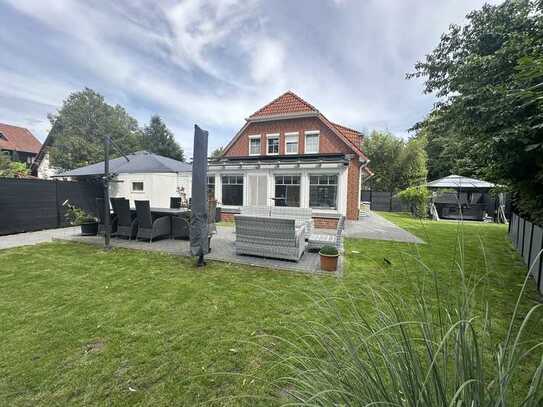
x: 289, y: 154
x: 19, y: 142
x: 42, y: 167
x: 145, y: 176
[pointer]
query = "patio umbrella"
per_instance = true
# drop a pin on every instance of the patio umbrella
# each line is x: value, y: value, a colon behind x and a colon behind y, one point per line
x: 198, y: 223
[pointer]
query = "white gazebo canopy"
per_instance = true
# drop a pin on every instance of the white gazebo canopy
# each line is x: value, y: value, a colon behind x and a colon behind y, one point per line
x: 459, y: 182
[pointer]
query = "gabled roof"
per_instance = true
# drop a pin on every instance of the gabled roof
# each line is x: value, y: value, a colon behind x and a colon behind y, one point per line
x: 287, y: 103
x: 139, y: 162
x: 458, y: 182
x: 16, y: 138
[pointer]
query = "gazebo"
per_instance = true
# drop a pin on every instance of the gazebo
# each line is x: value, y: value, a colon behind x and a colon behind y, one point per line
x: 457, y: 197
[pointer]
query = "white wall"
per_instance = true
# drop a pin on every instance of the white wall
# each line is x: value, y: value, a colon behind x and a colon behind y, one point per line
x: 157, y: 187
x: 45, y: 170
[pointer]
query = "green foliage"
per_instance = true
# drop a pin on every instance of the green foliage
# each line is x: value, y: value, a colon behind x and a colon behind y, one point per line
x: 12, y: 169
x: 488, y: 124
x: 417, y: 198
x: 77, y: 216
x: 79, y: 127
x: 329, y: 251
x: 409, y: 356
x: 158, y: 139
x: 217, y: 152
x: 397, y: 164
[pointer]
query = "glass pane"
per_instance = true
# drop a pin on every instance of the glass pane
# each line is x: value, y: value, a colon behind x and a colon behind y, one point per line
x: 313, y: 179
x: 232, y: 194
x: 322, y: 196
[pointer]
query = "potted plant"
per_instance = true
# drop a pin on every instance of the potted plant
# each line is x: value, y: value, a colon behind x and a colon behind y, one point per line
x: 329, y: 256
x: 77, y: 216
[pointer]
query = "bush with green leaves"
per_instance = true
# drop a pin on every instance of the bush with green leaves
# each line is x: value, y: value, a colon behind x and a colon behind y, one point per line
x: 77, y: 216
x: 12, y: 169
x: 417, y: 199
x: 329, y: 251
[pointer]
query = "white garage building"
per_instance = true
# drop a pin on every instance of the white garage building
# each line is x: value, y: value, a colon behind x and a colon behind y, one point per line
x: 145, y: 176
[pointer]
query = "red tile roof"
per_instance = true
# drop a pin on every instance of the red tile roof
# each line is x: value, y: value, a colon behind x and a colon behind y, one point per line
x: 18, y: 139
x: 354, y: 136
x: 287, y: 103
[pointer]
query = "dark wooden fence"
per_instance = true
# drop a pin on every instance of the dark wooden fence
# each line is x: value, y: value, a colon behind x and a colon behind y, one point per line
x: 35, y: 204
x: 384, y: 201
x: 527, y: 239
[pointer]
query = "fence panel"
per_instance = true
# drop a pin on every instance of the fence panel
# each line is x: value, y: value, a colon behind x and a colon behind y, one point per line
x: 35, y: 204
x: 380, y: 201
x: 527, y: 239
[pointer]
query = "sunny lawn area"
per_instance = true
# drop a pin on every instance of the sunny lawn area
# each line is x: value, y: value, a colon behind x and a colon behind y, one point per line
x: 81, y: 326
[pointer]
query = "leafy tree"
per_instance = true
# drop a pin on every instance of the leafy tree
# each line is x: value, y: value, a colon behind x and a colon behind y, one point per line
x: 488, y: 75
x: 79, y: 126
x: 217, y: 152
x: 158, y: 139
x: 417, y: 199
x: 397, y: 164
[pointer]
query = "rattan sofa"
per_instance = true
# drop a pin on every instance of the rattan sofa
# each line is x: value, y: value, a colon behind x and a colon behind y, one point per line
x: 300, y: 215
x: 269, y: 237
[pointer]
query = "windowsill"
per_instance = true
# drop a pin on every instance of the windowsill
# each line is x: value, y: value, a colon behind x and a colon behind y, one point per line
x: 137, y: 192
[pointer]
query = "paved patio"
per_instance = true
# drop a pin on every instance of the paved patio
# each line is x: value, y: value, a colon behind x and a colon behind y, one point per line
x: 222, y: 245
x: 32, y: 238
x: 376, y: 227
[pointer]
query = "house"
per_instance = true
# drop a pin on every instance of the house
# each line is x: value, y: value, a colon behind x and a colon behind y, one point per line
x: 145, y: 176
x: 289, y: 154
x: 458, y: 197
x: 41, y: 167
x: 19, y: 142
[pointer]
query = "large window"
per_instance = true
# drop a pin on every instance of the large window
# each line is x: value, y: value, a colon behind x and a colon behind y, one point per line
x: 254, y: 145
x: 211, y: 186
x: 232, y: 189
x: 312, y: 142
x: 291, y: 143
x: 323, y: 191
x: 273, y: 144
x: 287, y: 190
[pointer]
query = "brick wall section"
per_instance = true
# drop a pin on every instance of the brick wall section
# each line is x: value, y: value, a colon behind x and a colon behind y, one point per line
x: 353, y: 185
x: 328, y: 141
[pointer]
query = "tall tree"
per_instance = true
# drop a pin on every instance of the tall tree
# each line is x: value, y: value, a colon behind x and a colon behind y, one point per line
x: 488, y: 75
x: 79, y: 127
x: 158, y: 139
x: 397, y: 164
x: 217, y: 152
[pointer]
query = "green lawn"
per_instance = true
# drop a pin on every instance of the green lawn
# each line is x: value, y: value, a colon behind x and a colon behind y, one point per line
x: 81, y: 326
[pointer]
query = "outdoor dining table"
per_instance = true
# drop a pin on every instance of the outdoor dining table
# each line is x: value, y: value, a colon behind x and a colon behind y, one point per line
x: 170, y: 212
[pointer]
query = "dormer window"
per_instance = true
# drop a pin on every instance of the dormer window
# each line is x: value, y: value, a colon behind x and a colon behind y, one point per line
x: 273, y: 144
x: 254, y: 145
x: 2, y: 136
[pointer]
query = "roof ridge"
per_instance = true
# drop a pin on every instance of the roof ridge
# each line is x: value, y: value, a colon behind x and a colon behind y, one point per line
x: 288, y: 92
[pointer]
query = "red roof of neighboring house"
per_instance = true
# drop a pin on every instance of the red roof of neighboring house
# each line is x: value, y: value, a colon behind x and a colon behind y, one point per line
x: 287, y: 103
x: 18, y: 139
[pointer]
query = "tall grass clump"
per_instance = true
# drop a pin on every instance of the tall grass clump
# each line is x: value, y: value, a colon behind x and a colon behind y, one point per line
x: 436, y: 350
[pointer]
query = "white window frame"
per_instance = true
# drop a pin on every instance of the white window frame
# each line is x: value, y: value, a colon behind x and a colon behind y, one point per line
x: 254, y: 137
x: 272, y: 136
x: 312, y: 133
x: 291, y: 136
x: 137, y: 191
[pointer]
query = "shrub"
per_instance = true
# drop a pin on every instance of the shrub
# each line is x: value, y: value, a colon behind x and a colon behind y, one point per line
x: 417, y: 199
x: 329, y: 251
x: 77, y: 216
x: 410, y: 355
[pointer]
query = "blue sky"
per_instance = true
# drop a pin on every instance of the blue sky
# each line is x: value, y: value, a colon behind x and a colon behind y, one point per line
x: 215, y: 62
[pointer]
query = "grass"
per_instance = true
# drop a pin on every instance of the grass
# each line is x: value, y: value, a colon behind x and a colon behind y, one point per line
x: 81, y: 326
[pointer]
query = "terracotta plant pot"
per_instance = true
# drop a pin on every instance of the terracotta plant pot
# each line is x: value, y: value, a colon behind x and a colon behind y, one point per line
x: 89, y: 229
x: 328, y: 262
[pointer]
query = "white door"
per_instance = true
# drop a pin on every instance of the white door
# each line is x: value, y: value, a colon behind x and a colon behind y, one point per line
x: 258, y: 190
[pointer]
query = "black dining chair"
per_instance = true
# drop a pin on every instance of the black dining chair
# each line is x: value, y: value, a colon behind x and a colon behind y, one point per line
x: 100, y: 210
x: 175, y: 202
x: 126, y: 226
x: 147, y: 227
